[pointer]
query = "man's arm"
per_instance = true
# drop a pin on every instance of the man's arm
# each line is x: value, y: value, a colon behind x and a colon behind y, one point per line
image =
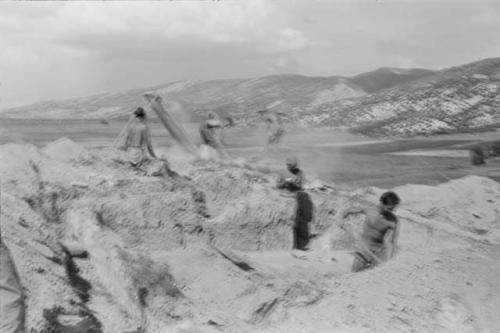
x: 295, y: 182
x: 148, y: 142
x: 394, y: 239
x: 390, y: 240
x: 353, y: 211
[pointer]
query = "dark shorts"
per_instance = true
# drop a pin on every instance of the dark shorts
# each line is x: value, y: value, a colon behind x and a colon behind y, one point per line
x: 364, y: 261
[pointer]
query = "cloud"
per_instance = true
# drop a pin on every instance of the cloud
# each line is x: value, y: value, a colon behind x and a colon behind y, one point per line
x: 257, y: 23
x: 65, y: 49
x: 284, y: 65
x: 404, y: 62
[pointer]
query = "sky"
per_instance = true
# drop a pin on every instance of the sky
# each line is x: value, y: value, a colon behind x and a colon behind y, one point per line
x: 57, y: 50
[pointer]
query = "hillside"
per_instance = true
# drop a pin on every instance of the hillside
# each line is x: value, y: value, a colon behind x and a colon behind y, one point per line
x: 387, y: 101
x: 288, y: 93
x: 460, y: 99
x: 237, y: 96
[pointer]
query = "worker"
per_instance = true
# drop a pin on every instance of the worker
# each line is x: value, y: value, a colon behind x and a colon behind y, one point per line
x: 304, y: 210
x: 294, y: 182
x: 274, y: 128
x: 477, y: 155
x: 137, y: 142
x: 210, y: 133
x: 380, y: 232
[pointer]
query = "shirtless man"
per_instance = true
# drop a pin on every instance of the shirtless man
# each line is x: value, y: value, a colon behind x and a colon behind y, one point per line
x: 380, y: 232
x: 138, y: 140
x: 275, y: 129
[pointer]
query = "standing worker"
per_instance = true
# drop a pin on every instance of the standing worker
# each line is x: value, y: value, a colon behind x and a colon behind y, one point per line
x: 294, y: 182
x: 210, y: 132
x: 274, y: 128
x: 477, y: 155
x: 304, y: 210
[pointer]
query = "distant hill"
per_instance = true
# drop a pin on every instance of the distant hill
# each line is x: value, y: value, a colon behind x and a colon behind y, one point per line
x: 386, y: 101
x: 384, y: 78
x: 238, y: 97
x: 459, y: 99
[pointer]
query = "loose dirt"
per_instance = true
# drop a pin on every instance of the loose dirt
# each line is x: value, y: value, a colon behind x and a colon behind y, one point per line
x: 209, y: 249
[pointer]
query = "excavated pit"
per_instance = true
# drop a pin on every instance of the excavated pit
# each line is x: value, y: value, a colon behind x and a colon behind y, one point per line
x: 209, y: 250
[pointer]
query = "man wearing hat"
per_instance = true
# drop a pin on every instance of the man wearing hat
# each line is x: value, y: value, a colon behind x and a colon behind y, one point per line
x: 293, y: 183
x: 304, y: 210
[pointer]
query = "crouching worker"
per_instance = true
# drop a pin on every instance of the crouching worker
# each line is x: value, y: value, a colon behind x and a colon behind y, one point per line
x: 380, y: 232
x: 304, y: 210
x: 139, y: 152
x: 138, y: 140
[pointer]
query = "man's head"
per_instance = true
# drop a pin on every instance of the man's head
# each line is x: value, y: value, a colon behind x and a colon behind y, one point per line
x: 389, y: 200
x: 140, y: 113
x: 292, y: 163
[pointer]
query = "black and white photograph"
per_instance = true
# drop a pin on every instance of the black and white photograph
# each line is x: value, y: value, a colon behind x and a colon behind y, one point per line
x: 250, y: 166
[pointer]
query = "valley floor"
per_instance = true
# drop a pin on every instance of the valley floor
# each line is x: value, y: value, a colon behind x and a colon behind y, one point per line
x: 332, y: 155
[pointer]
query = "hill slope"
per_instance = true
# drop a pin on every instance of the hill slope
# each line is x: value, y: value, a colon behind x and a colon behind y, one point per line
x: 238, y: 96
x: 463, y: 98
x: 387, y: 101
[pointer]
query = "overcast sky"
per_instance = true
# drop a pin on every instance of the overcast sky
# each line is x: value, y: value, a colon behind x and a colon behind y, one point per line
x: 70, y: 49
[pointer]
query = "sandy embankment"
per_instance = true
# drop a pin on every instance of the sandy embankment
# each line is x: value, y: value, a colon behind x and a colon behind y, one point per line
x: 211, y: 252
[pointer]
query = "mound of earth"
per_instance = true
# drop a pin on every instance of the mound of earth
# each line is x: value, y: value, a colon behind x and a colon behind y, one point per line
x: 209, y: 250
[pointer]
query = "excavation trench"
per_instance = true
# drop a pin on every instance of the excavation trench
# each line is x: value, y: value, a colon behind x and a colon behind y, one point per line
x: 211, y: 247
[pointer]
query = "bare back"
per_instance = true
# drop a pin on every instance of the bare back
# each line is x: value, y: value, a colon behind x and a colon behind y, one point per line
x: 376, y: 225
x: 136, y: 137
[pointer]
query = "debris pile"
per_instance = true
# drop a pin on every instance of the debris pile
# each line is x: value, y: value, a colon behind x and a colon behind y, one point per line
x: 102, y: 248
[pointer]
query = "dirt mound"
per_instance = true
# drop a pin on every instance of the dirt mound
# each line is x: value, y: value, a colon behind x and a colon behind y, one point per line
x: 469, y: 204
x: 211, y: 250
x: 67, y: 151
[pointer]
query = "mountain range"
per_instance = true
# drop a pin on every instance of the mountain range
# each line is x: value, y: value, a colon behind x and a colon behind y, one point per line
x: 384, y: 102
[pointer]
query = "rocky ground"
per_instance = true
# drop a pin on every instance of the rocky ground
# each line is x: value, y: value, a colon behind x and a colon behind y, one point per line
x: 209, y: 250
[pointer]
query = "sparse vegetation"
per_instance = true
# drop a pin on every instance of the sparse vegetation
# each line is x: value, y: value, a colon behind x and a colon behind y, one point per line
x: 408, y: 102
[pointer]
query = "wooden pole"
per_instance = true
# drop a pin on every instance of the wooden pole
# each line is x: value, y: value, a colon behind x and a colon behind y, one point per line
x: 169, y: 122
